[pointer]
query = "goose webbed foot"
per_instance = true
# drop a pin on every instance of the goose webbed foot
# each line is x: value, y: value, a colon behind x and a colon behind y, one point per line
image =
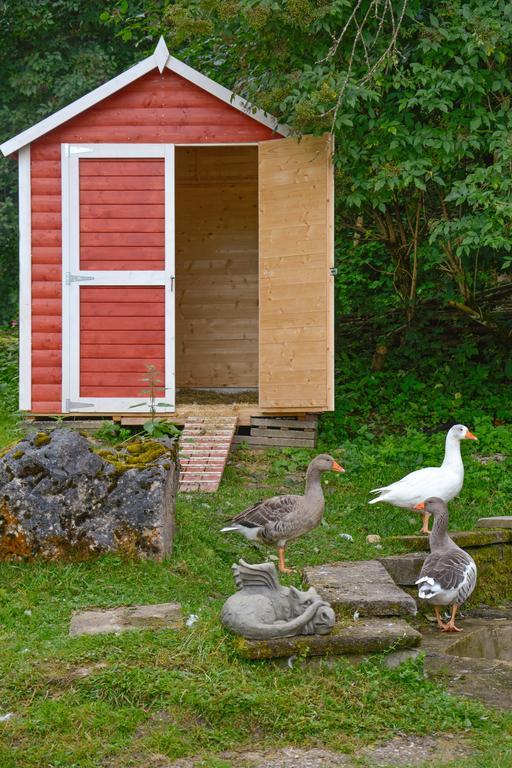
x: 282, y: 567
x: 424, y: 527
x: 440, y: 622
x: 450, y: 625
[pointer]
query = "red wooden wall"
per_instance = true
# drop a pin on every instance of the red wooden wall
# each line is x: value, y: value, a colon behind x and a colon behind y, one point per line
x: 156, y: 108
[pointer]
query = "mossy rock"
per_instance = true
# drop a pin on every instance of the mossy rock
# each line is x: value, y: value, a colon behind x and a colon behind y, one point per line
x: 95, y: 505
x: 136, y: 455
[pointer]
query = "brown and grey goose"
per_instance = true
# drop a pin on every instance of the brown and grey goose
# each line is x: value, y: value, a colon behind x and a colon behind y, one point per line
x: 278, y: 520
x: 448, y: 575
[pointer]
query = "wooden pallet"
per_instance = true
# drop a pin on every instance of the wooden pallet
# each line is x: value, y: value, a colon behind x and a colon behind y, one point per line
x: 204, y: 447
x: 276, y: 432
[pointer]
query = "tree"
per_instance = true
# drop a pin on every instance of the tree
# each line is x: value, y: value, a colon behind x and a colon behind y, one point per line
x: 51, y: 52
x: 418, y: 96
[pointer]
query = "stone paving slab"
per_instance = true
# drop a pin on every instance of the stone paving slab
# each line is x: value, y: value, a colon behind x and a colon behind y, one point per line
x: 359, y: 638
x: 478, y: 538
x: 113, y: 620
x: 363, y: 585
x: 488, y: 680
x: 404, y: 569
x: 504, y: 521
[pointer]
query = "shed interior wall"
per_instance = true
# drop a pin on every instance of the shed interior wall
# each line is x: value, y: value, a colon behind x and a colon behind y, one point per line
x: 216, y: 266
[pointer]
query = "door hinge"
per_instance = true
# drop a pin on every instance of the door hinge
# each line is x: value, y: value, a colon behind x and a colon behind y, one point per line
x: 72, y: 405
x: 333, y: 271
x: 77, y: 278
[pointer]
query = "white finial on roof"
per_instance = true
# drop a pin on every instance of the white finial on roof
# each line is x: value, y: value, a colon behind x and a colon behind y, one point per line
x: 161, y: 54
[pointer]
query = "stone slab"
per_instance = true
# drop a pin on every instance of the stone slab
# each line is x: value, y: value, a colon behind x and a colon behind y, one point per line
x: 404, y: 569
x: 505, y: 521
x: 479, y: 538
x: 357, y: 638
x: 488, y: 680
x: 364, y: 586
x: 113, y: 620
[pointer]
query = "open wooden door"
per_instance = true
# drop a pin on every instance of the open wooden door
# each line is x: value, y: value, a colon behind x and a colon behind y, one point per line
x: 118, y: 276
x: 296, y: 282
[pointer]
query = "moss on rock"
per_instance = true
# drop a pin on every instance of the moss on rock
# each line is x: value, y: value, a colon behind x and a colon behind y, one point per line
x: 42, y: 438
x: 14, y: 545
x: 137, y: 455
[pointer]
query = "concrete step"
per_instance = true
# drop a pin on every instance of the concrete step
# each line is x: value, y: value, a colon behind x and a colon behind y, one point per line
x: 504, y: 521
x: 364, y: 586
x: 404, y: 569
x: 481, y: 537
x: 358, y: 638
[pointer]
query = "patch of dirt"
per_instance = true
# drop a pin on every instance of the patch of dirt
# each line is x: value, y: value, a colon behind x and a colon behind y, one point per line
x: 289, y: 757
x: 400, y: 752
x: 498, y: 457
x: 410, y: 751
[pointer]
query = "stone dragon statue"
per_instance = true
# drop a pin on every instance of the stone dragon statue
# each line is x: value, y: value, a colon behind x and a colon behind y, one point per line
x: 263, y: 609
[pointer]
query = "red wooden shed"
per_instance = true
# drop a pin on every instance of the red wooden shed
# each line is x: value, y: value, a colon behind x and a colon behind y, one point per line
x: 165, y: 221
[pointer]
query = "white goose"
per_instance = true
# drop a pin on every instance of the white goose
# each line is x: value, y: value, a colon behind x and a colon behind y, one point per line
x: 444, y: 482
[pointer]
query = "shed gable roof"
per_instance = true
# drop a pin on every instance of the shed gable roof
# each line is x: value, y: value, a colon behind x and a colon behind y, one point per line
x: 159, y: 59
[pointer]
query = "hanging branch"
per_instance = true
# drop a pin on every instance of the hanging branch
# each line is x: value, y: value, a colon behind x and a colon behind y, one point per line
x: 383, y: 10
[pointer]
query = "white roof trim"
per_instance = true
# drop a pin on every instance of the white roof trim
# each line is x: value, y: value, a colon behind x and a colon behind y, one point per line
x: 159, y: 59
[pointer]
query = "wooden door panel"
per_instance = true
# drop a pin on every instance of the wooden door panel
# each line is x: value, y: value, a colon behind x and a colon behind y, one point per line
x: 296, y: 252
x: 104, y: 353
x: 122, y: 212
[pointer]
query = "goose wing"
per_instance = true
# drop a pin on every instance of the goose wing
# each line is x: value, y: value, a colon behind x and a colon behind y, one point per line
x: 451, y: 570
x: 418, y: 485
x: 268, y: 512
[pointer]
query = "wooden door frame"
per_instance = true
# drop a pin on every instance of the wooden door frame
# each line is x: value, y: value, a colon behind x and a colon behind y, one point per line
x: 70, y: 155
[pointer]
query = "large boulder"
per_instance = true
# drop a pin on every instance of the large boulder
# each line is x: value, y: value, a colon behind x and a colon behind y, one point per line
x: 61, y: 496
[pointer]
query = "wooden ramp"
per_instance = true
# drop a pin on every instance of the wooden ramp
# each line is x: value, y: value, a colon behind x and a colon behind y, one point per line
x: 204, y: 448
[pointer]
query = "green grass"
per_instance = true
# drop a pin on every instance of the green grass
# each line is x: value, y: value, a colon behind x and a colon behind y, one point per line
x: 120, y: 701
x: 185, y: 693
x: 8, y: 388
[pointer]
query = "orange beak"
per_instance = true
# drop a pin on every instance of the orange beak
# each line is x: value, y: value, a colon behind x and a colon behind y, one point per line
x: 470, y: 436
x: 421, y: 505
x: 336, y: 467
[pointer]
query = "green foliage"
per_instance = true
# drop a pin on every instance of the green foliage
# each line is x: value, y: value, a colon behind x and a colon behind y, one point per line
x: 422, y: 127
x: 51, y: 52
x: 453, y: 377
x: 160, y: 428
x: 112, y: 432
x: 8, y: 387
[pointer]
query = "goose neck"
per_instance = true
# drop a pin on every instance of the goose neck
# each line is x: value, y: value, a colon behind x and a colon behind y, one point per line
x: 313, y: 484
x: 439, y: 534
x: 452, y: 457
